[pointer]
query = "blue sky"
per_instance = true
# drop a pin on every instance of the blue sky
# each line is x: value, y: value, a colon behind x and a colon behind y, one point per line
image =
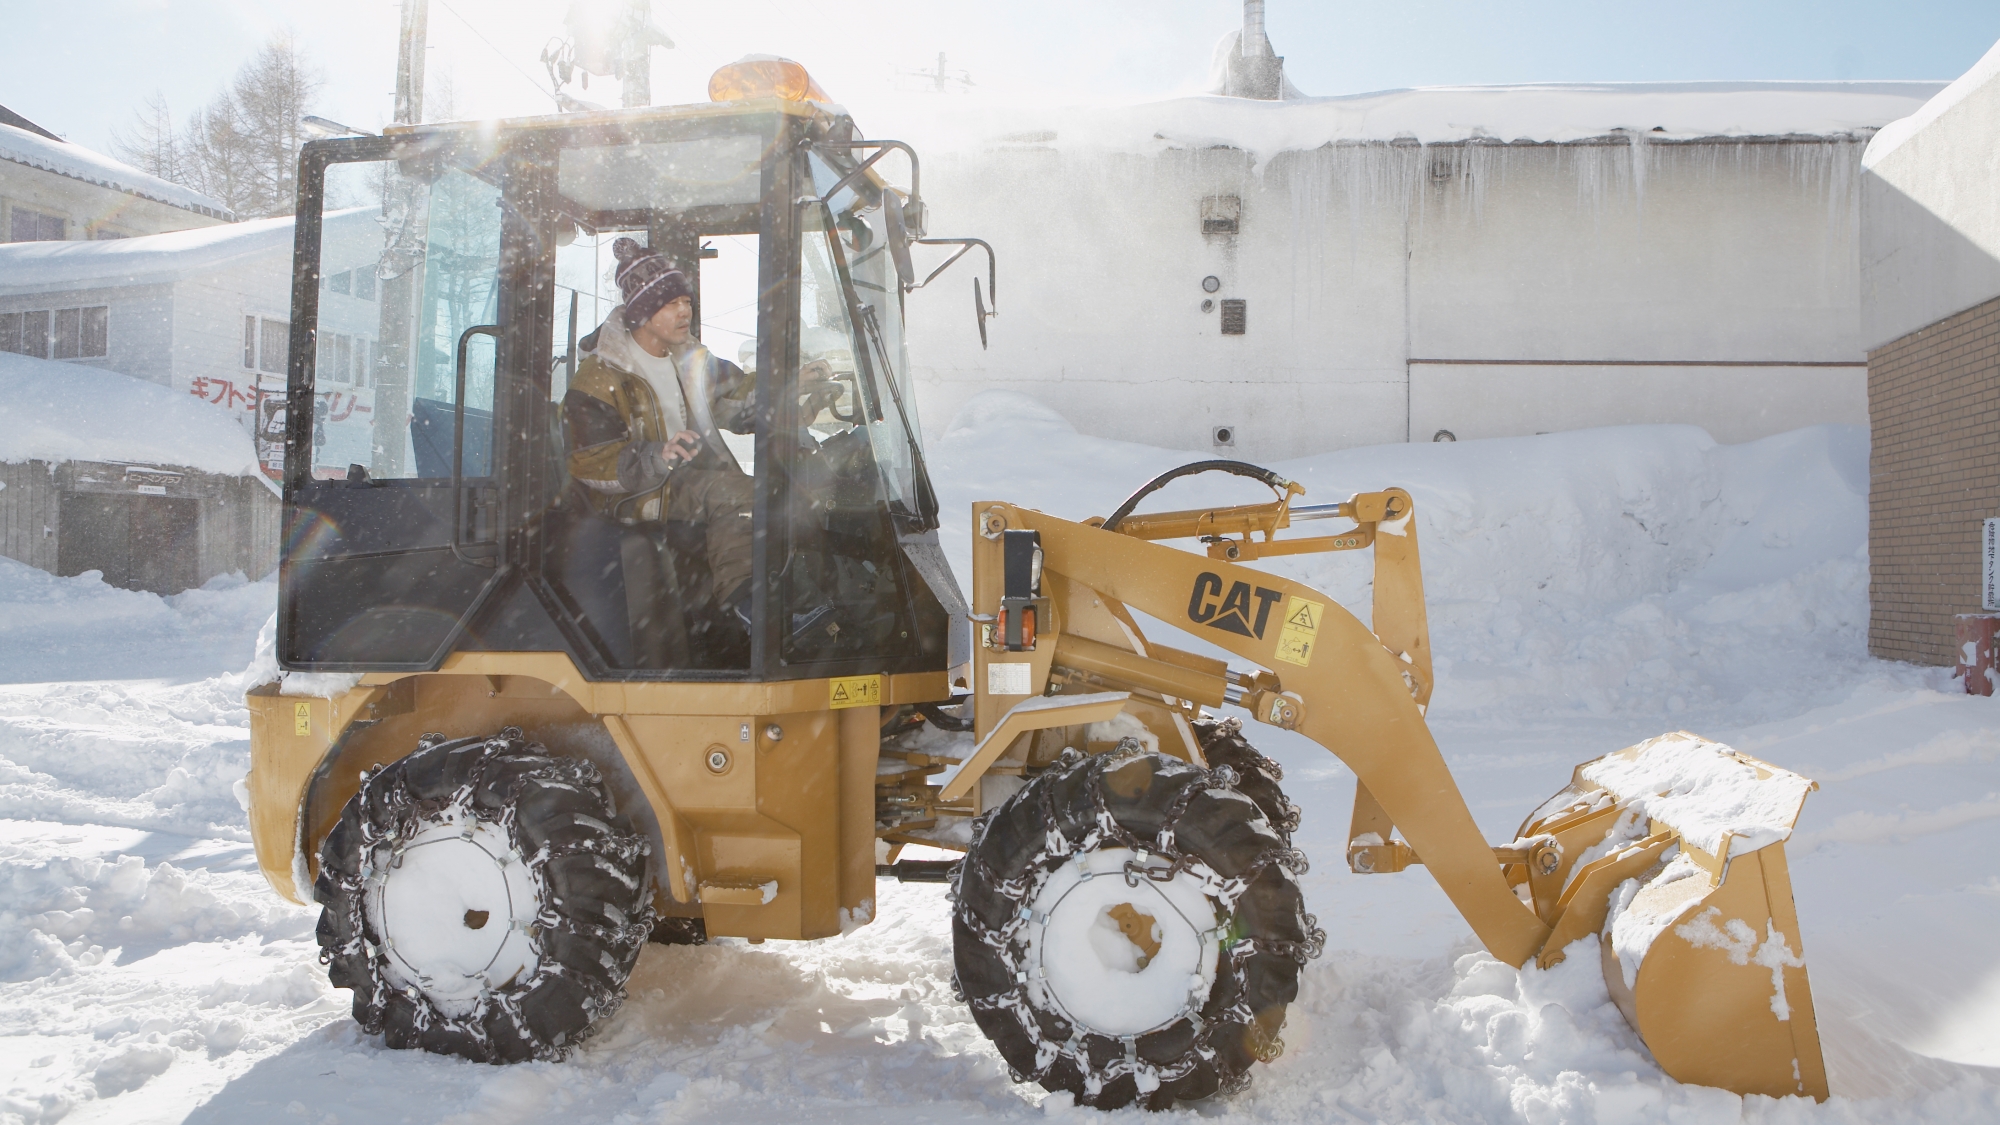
x: 80, y: 66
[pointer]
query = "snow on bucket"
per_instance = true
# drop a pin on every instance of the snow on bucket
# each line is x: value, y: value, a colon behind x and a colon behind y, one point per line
x: 1681, y: 868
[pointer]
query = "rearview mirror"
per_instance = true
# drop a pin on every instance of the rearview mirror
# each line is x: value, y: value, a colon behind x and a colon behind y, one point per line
x: 899, y: 237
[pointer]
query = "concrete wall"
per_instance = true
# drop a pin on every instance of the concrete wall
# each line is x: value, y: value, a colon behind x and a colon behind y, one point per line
x: 1930, y: 241
x: 1397, y: 289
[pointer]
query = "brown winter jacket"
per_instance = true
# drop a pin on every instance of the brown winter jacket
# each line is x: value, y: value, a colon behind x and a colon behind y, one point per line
x: 608, y: 409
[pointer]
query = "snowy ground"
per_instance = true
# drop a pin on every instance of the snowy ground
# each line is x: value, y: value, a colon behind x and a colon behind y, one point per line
x: 1587, y: 590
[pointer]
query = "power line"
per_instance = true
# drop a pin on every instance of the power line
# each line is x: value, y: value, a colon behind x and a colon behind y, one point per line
x: 531, y: 79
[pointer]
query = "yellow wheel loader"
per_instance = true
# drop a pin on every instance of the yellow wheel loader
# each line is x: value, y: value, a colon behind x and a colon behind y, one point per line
x: 520, y: 732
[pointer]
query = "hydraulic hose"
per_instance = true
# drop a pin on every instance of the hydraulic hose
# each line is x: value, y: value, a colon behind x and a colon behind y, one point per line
x: 1238, y: 468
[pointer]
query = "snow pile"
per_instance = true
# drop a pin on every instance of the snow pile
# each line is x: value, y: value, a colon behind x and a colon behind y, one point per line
x: 1537, y: 113
x: 79, y: 628
x: 74, y: 412
x: 79, y: 163
x: 1704, y: 791
x: 1629, y: 569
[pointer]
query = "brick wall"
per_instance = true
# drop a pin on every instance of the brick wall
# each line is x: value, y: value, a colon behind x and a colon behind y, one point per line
x: 1934, y: 468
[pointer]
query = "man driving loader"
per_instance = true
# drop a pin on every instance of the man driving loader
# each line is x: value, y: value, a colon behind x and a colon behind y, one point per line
x: 644, y: 413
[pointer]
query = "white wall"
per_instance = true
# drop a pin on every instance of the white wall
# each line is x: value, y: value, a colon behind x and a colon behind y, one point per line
x: 1930, y: 234
x: 138, y: 325
x: 1356, y: 259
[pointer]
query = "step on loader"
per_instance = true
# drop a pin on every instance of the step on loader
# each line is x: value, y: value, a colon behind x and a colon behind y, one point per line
x: 527, y: 724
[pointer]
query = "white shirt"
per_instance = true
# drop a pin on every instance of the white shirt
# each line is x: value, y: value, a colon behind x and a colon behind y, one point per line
x: 616, y: 345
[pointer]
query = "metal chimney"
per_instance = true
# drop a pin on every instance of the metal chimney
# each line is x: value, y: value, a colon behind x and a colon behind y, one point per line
x: 1255, y: 71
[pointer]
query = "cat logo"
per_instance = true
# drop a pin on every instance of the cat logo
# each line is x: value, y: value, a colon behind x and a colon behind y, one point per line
x: 1232, y: 612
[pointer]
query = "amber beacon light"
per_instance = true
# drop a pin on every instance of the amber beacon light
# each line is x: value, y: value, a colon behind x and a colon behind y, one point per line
x: 764, y: 76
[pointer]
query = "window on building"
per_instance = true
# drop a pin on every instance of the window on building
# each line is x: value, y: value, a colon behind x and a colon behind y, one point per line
x: 274, y: 340
x: 337, y: 358
x: 341, y: 282
x: 79, y: 334
x: 364, y: 284
x: 96, y: 331
x: 25, y: 333
x: 250, y: 342
x: 33, y: 226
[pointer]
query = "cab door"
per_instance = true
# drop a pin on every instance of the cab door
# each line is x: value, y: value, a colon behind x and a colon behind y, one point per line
x: 393, y: 476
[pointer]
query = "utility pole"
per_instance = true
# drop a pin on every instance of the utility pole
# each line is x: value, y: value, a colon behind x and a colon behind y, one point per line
x: 410, y: 62
x: 406, y: 200
x: 635, y: 63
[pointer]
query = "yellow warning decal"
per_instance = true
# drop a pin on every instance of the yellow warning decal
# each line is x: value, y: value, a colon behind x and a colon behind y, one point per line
x: 1300, y: 631
x: 854, y: 691
x: 302, y: 719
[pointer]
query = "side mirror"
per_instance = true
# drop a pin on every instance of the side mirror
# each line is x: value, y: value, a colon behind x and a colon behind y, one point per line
x: 899, y: 236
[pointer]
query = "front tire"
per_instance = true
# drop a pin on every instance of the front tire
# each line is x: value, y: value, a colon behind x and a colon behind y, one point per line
x: 1129, y: 927
x: 482, y: 900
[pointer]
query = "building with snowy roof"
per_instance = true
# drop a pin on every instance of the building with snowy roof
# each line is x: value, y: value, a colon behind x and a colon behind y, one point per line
x: 1281, y: 276
x: 150, y: 488
x: 52, y: 190
x: 205, y: 313
x: 1930, y: 321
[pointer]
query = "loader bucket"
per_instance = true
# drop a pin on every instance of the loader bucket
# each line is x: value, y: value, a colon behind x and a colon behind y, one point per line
x: 1672, y: 851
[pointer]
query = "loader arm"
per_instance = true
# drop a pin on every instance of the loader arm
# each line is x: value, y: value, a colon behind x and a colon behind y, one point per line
x: 1680, y: 833
x: 1333, y: 680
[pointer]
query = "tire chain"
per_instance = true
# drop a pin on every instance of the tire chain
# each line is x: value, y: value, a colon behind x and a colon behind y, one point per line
x: 405, y: 815
x: 1224, y: 892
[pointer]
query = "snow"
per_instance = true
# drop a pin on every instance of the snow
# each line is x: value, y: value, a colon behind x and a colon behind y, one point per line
x: 74, y: 412
x: 1097, y: 975
x: 1892, y: 135
x: 79, y: 163
x: 1535, y: 113
x: 35, y: 267
x: 1588, y: 590
x: 1704, y: 791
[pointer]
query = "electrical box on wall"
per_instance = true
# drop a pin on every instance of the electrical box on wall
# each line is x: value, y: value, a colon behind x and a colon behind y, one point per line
x: 1221, y: 214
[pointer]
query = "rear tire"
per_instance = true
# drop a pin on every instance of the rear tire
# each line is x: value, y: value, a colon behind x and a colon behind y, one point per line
x: 1198, y: 884
x: 482, y: 900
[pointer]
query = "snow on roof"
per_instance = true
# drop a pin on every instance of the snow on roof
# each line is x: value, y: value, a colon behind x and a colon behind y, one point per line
x: 40, y: 267
x: 1896, y: 132
x: 1540, y: 113
x: 80, y: 163
x: 32, y: 267
x: 53, y: 411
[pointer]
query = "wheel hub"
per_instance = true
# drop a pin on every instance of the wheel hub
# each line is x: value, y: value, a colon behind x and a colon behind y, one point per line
x: 1119, y: 955
x: 454, y: 907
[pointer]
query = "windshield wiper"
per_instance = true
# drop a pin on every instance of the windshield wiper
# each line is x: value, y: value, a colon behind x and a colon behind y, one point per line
x: 926, y: 497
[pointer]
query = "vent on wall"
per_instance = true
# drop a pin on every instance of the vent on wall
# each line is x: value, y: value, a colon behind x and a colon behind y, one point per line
x: 1220, y: 214
x: 1235, y: 311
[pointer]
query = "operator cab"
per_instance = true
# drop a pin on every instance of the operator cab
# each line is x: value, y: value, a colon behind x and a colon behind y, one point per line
x: 448, y: 282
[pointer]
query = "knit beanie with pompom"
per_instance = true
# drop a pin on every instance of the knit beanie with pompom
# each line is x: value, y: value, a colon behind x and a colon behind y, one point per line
x: 647, y: 281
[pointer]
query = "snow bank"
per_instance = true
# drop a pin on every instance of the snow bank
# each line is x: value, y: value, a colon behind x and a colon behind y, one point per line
x: 79, y: 628
x: 1629, y: 569
x: 77, y: 162
x: 71, y: 411
x: 1538, y: 113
